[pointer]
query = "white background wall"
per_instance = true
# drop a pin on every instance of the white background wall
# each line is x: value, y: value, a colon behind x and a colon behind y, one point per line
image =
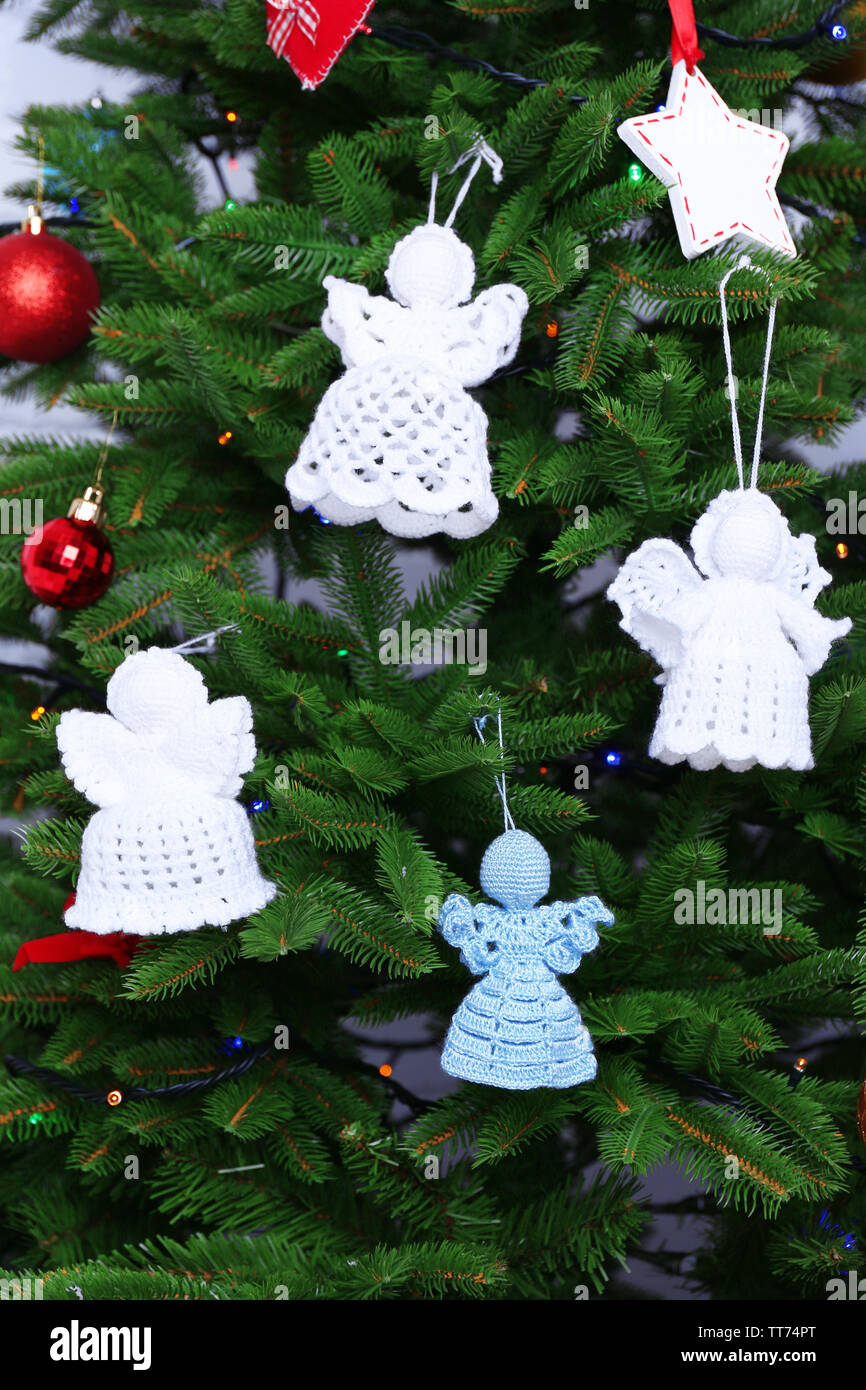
x: 34, y: 74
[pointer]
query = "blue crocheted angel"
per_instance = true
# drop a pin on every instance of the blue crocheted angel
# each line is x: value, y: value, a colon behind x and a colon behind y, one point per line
x: 518, y: 1028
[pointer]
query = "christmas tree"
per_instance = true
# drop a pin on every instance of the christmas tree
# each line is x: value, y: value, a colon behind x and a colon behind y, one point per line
x: 203, y: 1116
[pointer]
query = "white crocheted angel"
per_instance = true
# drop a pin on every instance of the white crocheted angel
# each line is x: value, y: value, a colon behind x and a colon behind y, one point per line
x: 737, y: 646
x: 397, y: 438
x: 172, y: 849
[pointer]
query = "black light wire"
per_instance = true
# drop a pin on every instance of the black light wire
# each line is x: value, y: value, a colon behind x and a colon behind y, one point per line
x: 822, y: 28
x: 20, y: 1066
x: 415, y: 40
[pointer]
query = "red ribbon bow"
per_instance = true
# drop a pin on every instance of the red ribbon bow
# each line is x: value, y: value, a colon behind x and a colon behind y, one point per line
x: 77, y: 945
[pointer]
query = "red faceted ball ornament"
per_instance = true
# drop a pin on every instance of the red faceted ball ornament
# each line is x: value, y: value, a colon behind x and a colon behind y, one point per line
x: 70, y: 564
x: 48, y: 294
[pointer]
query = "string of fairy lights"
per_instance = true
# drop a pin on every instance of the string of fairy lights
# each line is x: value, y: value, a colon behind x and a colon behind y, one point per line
x: 117, y: 1095
x: 655, y: 1065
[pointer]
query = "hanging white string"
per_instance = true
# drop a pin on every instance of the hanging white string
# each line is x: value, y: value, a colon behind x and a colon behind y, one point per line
x: 207, y: 641
x: 499, y: 778
x: 480, y: 152
x: 742, y: 264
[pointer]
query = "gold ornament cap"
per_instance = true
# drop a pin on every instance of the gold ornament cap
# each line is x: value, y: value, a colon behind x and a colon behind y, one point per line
x: 89, y: 507
x: 33, y: 221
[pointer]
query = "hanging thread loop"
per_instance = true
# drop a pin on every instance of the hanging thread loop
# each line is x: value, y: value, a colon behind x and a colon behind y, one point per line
x: 106, y: 445
x: 745, y: 263
x: 207, y: 641
x: 480, y: 153
x: 499, y: 778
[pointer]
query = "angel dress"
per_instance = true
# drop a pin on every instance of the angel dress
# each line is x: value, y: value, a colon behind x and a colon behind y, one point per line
x: 172, y: 849
x: 737, y: 646
x: 397, y: 438
x: 518, y: 1028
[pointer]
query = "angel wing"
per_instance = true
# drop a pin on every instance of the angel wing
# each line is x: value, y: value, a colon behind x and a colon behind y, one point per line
x: 659, y: 592
x: 803, y: 578
x: 215, y: 746
x: 98, y: 753
x: 464, y: 924
x: 456, y: 918
x: 483, y: 336
x: 364, y: 326
x: 571, y: 931
x: 811, y: 633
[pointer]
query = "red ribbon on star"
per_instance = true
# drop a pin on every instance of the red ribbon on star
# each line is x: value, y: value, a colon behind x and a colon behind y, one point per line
x: 684, y: 38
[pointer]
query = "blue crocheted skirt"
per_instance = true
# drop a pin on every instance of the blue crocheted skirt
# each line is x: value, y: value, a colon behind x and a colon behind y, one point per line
x: 519, y: 1034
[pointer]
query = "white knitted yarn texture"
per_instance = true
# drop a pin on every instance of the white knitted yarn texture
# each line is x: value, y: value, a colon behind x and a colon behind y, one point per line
x: 172, y: 849
x: 738, y: 646
x: 397, y: 438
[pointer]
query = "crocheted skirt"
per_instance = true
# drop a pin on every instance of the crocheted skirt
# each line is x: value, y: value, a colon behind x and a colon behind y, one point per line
x: 148, y: 868
x: 735, y: 703
x: 519, y: 1034
x: 400, y: 443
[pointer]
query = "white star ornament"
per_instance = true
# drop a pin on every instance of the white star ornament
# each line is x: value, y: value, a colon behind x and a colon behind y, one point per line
x: 720, y: 170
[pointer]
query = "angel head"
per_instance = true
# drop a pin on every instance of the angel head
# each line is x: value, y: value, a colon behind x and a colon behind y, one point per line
x: 152, y: 690
x: 743, y: 535
x: 431, y: 267
x: 515, y: 870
